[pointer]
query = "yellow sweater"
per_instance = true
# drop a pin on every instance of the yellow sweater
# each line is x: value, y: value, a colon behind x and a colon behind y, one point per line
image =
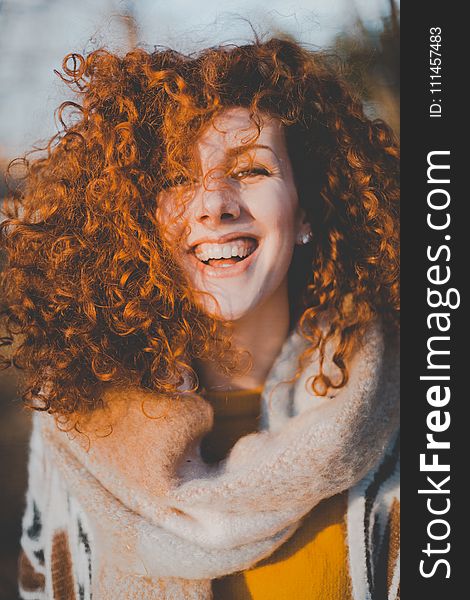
x: 312, y: 564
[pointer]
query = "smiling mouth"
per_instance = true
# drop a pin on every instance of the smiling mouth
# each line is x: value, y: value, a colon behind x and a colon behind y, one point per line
x: 227, y: 254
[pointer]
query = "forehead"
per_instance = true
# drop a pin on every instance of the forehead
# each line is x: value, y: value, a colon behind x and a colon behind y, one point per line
x: 234, y: 128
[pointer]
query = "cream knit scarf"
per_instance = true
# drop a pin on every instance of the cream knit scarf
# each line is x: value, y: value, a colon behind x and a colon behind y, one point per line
x: 161, y: 523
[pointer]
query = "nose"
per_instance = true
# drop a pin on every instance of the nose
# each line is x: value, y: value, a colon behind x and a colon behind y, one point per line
x: 217, y: 204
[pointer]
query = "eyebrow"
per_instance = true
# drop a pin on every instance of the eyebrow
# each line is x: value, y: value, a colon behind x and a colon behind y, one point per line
x: 238, y: 150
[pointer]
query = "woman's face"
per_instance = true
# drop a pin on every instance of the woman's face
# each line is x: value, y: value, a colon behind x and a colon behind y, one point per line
x: 236, y: 234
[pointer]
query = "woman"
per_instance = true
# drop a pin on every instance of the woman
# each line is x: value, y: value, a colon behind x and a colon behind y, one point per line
x: 203, y: 271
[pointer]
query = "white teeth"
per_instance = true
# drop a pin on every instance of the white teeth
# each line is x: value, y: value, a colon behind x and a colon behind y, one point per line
x: 240, y: 247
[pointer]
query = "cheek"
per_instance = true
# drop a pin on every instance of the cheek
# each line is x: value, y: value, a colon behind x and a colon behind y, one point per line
x: 172, y: 217
x: 276, y: 207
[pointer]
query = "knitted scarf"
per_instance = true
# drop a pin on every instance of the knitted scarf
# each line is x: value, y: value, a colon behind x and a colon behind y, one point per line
x: 158, y: 522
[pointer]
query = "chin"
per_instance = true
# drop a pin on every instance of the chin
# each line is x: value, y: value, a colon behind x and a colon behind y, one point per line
x: 224, y: 311
x: 227, y: 314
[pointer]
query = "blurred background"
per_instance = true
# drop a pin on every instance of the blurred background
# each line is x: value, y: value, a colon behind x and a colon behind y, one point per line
x: 36, y: 34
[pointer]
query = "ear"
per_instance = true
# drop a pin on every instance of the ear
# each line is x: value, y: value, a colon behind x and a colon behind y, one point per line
x: 304, y: 230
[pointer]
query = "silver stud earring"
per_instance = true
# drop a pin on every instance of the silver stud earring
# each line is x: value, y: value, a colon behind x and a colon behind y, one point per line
x: 304, y: 238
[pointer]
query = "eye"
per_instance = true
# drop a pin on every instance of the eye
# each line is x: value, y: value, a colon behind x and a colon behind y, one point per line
x: 174, y: 182
x: 252, y: 172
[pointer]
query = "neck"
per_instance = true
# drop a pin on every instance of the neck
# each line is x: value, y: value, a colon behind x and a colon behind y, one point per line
x: 262, y: 332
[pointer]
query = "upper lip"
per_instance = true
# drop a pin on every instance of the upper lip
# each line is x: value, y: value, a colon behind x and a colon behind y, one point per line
x: 223, y: 238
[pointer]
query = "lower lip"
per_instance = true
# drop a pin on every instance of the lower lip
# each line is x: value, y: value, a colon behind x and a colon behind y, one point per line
x: 222, y: 272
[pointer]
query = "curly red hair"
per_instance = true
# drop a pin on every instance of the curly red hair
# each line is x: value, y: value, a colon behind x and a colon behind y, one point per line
x: 92, y: 287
